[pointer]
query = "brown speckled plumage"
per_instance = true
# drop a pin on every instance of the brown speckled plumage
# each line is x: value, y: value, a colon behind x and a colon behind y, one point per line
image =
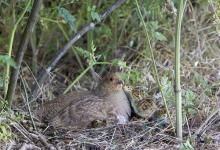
x: 107, y: 102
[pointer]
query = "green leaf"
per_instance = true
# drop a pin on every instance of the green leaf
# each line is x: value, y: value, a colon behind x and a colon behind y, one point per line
x: 83, y: 52
x: 132, y: 76
x: 119, y: 63
x: 1, y: 81
x: 189, y: 96
x: 5, y: 59
x: 93, y: 48
x: 159, y: 36
x: 5, y: 132
x: 153, y: 25
x: 104, y: 31
x: 186, y: 146
x: 94, y: 15
x: 68, y: 17
x: 167, y: 89
x: 87, y: 55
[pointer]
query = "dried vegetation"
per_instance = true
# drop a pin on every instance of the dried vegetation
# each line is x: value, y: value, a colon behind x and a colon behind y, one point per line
x: 121, y: 36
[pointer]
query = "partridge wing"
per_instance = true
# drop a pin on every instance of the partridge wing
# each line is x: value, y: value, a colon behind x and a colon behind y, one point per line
x: 52, y: 108
x: 83, y: 113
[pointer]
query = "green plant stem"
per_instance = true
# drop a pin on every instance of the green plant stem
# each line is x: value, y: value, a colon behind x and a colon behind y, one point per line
x: 115, y: 33
x: 154, y: 64
x: 179, y: 121
x: 90, y: 36
x: 7, y: 69
x: 89, y: 33
x: 67, y: 38
x: 83, y: 73
x: 32, y: 19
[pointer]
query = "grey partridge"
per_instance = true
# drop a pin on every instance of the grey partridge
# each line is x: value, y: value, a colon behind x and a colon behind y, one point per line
x: 107, y: 102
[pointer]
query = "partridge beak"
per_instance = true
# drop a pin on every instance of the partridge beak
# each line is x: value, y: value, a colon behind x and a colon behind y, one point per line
x: 120, y: 82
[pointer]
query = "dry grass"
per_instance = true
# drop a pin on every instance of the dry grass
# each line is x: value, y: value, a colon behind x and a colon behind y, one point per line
x: 200, y: 73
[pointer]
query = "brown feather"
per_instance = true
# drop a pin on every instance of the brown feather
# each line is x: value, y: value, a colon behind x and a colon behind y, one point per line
x: 107, y: 102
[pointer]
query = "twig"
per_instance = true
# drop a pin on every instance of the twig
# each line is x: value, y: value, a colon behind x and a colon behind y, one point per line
x: 207, y: 122
x: 27, y: 102
x: 43, y: 140
x: 34, y: 54
x: 22, y: 130
x: 28, y: 146
x: 21, y: 50
x: 113, y: 135
x: 43, y: 73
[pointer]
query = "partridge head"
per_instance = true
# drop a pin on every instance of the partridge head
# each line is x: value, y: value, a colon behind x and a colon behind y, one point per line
x: 110, y: 84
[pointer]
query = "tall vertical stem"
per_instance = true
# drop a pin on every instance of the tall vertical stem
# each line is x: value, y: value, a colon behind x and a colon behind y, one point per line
x: 177, y: 70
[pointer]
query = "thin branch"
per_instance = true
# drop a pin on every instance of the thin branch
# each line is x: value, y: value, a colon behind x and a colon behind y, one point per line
x: 43, y: 73
x: 207, y: 123
x: 109, y: 10
x: 21, y: 49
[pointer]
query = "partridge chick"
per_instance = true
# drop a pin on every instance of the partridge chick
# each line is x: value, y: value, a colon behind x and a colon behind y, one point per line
x: 107, y: 102
x: 142, y: 106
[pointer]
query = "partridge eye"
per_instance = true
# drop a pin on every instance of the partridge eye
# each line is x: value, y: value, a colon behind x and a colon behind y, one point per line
x: 111, y: 79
